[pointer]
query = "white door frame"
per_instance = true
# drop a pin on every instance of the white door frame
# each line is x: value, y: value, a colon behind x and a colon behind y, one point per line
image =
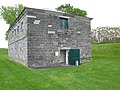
x: 67, y: 51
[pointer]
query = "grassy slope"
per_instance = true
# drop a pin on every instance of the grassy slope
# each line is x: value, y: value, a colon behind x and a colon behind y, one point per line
x: 103, y: 73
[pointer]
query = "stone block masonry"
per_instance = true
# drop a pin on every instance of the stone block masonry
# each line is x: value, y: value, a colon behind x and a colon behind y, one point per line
x: 36, y: 36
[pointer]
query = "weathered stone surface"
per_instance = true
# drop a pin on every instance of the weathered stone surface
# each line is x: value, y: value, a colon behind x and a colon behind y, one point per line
x: 35, y: 47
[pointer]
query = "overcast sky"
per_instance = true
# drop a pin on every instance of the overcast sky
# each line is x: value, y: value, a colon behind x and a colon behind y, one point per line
x: 103, y: 12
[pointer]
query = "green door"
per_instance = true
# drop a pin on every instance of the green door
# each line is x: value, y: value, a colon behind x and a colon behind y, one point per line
x: 74, y: 56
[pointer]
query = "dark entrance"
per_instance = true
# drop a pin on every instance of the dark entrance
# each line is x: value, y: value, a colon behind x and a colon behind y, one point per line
x: 62, y: 56
x: 74, y: 56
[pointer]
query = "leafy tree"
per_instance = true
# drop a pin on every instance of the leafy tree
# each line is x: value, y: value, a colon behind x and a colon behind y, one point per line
x: 6, y: 36
x: 106, y: 34
x: 71, y: 10
x: 9, y: 14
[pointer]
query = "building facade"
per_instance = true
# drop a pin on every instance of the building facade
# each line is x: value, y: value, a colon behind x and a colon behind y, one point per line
x: 43, y: 38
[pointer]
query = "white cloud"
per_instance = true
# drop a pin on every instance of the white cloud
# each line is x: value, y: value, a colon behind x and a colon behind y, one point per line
x: 3, y: 29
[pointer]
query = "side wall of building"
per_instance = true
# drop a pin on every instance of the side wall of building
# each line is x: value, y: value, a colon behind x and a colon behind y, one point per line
x: 45, y: 37
x: 17, y: 41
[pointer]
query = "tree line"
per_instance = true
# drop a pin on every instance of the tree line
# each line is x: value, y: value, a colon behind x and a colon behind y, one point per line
x: 106, y: 34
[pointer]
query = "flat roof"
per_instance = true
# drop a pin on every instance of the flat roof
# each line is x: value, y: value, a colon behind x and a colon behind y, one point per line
x: 25, y: 8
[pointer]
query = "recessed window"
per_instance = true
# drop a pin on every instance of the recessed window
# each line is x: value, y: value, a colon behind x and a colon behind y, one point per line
x: 12, y: 33
x: 21, y: 25
x: 64, y: 23
x: 18, y: 29
x: 15, y: 31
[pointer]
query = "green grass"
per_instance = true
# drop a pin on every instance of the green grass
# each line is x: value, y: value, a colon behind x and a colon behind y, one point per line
x: 103, y: 73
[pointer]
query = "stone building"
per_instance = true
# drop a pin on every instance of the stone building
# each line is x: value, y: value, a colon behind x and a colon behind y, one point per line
x: 43, y: 38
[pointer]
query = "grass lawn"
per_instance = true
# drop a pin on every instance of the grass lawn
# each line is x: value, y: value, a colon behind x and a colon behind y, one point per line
x: 103, y: 73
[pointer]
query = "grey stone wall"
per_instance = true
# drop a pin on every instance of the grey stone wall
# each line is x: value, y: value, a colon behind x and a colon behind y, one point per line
x: 17, y: 41
x: 40, y: 36
x: 43, y: 45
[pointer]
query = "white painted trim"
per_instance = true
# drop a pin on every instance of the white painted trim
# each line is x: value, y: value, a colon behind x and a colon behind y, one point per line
x: 63, y: 17
x: 67, y: 51
x: 49, y: 25
x: 65, y: 48
x: 30, y: 16
x: 78, y: 32
x: 51, y: 32
x: 37, y: 22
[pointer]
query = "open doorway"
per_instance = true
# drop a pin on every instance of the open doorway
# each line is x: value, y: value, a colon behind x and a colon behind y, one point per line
x: 74, y: 56
x: 64, y: 56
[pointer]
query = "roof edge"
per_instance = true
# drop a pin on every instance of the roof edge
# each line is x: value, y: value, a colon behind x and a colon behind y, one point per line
x: 37, y: 9
x: 17, y: 18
